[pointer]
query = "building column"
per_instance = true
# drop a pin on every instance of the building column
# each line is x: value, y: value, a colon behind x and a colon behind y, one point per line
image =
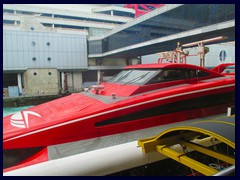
x: 19, y: 78
x: 77, y: 81
x: 65, y: 82
x: 98, y: 76
x: 128, y: 61
x: 62, y: 81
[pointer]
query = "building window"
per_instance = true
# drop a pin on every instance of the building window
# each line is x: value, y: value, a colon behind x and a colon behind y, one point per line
x: 49, y: 59
x: 34, y: 58
x: 33, y: 43
x: 48, y: 43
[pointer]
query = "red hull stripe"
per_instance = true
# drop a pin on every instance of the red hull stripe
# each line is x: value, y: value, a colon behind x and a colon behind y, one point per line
x: 117, y: 109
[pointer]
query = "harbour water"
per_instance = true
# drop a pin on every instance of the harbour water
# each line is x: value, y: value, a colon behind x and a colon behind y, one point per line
x: 11, y: 110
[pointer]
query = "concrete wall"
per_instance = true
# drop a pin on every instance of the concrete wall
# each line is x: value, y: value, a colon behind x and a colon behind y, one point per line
x: 41, y: 81
x: 113, y: 61
x: 108, y: 62
x: 77, y: 81
x: 70, y: 81
x: 97, y: 31
x: 32, y: 49
x: 74, y: 81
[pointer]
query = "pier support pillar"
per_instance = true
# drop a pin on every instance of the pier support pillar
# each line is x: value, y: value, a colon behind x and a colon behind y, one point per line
x: 19, y: 78
x: 98, y: 76
x: 62, y: 79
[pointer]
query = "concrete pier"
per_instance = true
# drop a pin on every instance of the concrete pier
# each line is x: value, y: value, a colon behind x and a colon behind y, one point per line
x: 29, y: 100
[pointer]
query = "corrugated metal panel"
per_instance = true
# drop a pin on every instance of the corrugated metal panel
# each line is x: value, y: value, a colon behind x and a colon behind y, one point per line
x: 4, y: 42
x: 14, y: 42
x: 26, y: 43
x: 4, y: 60
x: 9, y: 42
x: 20, y: 59
x: 19, y: 42
x: 40, y: 43
x: 9, y: 58
x: 67, y: 51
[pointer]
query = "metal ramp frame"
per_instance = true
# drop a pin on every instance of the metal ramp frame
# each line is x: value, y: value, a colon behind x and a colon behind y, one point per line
x: 219, y: 130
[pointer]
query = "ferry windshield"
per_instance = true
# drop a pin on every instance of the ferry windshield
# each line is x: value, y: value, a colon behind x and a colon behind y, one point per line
x: 134, y: 76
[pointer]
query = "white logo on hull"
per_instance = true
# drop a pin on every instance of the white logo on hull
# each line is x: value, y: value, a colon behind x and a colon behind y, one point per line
x: 20, y: 119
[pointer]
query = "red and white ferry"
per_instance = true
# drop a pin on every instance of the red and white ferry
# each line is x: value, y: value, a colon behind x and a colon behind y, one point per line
x: 139, y: 97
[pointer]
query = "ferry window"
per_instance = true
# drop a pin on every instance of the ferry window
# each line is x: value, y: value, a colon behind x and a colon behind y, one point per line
x: 202, y: 73
x: 170, y: 75
x: 193, y: 74
x: 134, y: 76
x: 198, y: 73
x: 174, y: 74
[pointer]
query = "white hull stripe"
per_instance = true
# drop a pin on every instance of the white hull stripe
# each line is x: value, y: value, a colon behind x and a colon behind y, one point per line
x: 118, y: 109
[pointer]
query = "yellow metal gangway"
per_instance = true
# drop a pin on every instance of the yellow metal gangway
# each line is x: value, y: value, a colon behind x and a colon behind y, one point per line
x: 189, y: 137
